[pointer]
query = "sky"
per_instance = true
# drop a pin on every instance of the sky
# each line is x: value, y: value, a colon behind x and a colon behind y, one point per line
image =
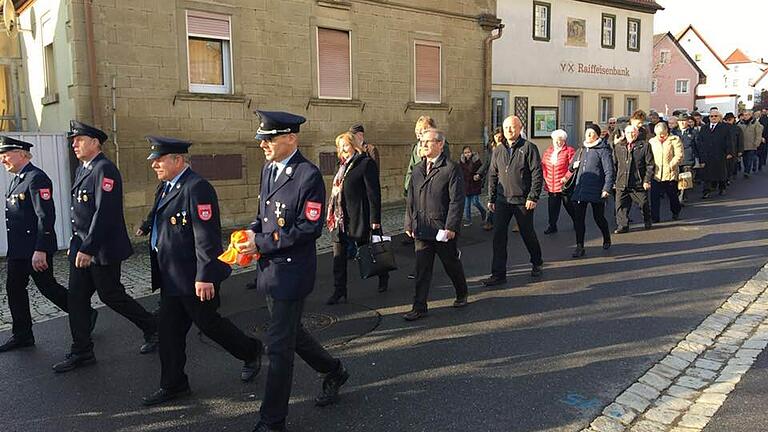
x: 740, y: 24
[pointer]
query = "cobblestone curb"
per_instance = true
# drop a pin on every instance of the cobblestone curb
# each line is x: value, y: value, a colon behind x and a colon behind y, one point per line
x: 683, y: 391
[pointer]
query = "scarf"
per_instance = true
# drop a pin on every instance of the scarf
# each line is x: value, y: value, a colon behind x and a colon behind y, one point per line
x: 335, y: 217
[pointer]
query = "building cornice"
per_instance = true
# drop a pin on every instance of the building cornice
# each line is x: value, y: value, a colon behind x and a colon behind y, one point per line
x: 632, y: 5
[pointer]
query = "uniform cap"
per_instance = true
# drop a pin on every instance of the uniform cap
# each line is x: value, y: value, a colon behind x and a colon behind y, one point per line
x: 162, y: 146
x: 7, y: 144
x: 77, y: 129
x: 274, y: 123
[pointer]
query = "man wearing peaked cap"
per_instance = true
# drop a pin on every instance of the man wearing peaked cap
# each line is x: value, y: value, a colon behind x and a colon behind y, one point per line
x: 97, y: 248
x: 30, y: 215
x: 288, y: 223
x: 185, y: 242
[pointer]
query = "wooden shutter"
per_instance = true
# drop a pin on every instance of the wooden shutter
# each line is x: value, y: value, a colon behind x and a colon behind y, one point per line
x: 427, y: 73
x: 208, y: 25
x: 333, y: 64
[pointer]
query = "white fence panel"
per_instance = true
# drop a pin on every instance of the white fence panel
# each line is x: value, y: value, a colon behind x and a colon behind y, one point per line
x: 51, y: 154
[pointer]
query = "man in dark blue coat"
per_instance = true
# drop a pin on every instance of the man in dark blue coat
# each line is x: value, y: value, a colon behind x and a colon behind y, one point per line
x: 97, y: 248
x: 289, y: 221
x: 185, y: 242
x: 30, y: 216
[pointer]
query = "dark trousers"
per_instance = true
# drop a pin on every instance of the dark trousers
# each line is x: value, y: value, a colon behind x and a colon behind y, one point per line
x: 177, y: 313
x: 104, y: 280
x: 554, y: 202
x: 340, y: 254
x: 17, y: 279
x: 504, y: 214
x: 624, y: 200
x: 668, y: 188
x: 425, y: 261
x: 749, y: 158
x: 762, y: 152
x: 711, y: 186
x: 287, y: 336
x: 598, y: 213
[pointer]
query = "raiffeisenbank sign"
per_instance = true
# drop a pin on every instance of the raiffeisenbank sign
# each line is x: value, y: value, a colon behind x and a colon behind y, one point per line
x: 593, y: 69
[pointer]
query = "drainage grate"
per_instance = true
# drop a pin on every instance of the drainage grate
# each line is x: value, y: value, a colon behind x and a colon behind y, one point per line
x: 311, y: 321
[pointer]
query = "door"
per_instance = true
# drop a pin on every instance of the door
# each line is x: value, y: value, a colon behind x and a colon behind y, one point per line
x: 499, y: 108
x: 569, y: 118
x: 51, y: 154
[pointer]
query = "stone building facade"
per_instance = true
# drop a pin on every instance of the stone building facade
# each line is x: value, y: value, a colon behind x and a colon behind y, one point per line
x: 197, y: 69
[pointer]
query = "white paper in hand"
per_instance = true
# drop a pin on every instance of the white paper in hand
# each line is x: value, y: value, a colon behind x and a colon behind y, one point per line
x: 442, y: 236
x: 379, y: 239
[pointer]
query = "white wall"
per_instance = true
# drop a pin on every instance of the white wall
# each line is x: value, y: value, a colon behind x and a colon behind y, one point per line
x: 714, y: 70
x: 519, y: 60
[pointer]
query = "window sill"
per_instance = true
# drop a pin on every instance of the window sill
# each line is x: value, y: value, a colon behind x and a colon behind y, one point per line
x: 50, y: 99
x: 208, y: 97
x: 429, y: 106
x: 354, y: 103
x: 336, y: 4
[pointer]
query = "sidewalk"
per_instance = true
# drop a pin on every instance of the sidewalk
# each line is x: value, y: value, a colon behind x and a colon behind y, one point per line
x: 136, y: 275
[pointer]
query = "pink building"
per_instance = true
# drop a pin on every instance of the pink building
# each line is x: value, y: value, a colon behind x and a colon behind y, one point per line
x: 675, y: 76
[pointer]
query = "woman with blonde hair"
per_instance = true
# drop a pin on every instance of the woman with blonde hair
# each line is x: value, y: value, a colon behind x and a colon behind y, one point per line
x: 354, y: 209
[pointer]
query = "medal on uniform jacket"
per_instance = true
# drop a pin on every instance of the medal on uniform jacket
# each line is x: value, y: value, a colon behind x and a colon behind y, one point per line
x: 22, y: 196
x: 276, y: 236
x: 173, y: 220
x: 280, y: 222
x: 85, y: 198
x: 183, y: 217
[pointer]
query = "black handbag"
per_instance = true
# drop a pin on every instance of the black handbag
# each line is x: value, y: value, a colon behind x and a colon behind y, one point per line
x: 375, y: 259
x: 570, y: 184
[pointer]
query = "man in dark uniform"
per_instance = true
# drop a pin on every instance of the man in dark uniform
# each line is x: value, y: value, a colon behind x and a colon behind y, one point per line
x: 289, y: 221
x: 30, y: 215
x: 97, y: 248
x: 434, y: 205
x: 185, y: 241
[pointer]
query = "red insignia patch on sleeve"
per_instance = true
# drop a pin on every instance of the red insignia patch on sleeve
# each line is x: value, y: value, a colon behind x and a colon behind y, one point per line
x: 204, y: 212
x: 107, y: 184
x: 312, y: 210
x: 45, y: 194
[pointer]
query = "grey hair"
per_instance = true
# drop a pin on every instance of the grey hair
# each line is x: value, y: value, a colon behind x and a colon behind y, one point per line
x: 661, y: 127
x: 26, y: 153
x: 439, y: 135
x: 559, y: 135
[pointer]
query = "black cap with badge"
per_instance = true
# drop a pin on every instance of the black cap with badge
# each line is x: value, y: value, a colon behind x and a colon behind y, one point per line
x: 77, y: 129
x: 163, y: 146
x: 7, y: 144
x: 274, y: 123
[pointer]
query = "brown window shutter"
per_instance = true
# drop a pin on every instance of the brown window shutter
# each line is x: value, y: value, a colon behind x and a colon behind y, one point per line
x: 427, y: 73
x: 207, y: 25
x: 333, y: 59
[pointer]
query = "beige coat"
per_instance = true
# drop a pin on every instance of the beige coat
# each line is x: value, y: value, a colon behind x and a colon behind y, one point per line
x: 667, y: 157
x: 753, y: 134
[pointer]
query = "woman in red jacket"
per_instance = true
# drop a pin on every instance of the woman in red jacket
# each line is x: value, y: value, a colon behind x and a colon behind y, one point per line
x: 554, y: 164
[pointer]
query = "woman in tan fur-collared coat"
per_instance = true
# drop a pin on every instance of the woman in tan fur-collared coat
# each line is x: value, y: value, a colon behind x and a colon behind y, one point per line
x: 667, y: 154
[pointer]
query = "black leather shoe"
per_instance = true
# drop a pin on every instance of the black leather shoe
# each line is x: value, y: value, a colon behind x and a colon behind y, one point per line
x: 493, y: 280
x: 606, y: 245
x: 150, y: 344
x: 336, y: 298
x: 460, y: 302
x: 164, y: 395
x: 536, y: 271
x: 14, y: 343
x: 383, y: 286
x: 74, y: 361
x: 550, y: 230
x: 648, y: 225
x: 414, y: 315
x: 251, y: 368
x: 263, y: 427
x: 578, y: 252
x: 705, y: 195
x: 331, y: 385
x: 411, y: 275
x: 94, y: 316
x: 675, y: 216
x: 621, y: 230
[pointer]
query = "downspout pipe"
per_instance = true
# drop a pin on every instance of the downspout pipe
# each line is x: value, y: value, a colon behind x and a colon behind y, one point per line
x: 488, y: 72
x: 91, y: 53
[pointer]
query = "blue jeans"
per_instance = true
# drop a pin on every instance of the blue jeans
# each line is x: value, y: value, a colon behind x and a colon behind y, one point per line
x: 473, y: 200
x: 750, y: 161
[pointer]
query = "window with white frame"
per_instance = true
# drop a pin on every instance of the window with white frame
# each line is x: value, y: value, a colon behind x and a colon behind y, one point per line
x: 609, y: 31
x: 654, y: 85
x: 606, y: 109
x: 210, y: 52
x: 633, y: 34
x: 664, y: 56
x: 427, y: 72
x: 334, y: 64
x: 541, y: 20
x: 681, y: 86
x: 50, y: 93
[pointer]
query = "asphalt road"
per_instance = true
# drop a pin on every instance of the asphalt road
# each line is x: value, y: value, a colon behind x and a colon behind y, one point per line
x: 534, y: 355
